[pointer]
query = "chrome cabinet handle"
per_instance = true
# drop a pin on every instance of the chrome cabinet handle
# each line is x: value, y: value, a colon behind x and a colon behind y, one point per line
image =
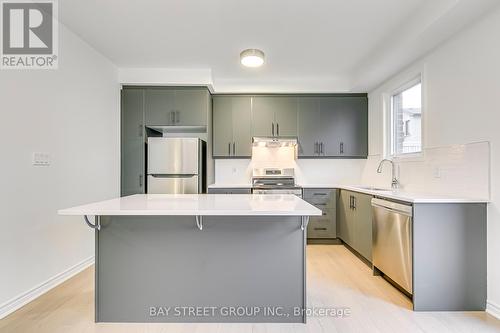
x: 272, y: 129
x: 321, y: 147
x: 229, y: 148
x: 177, y: 116
x: 277, y: 129
x: 234, y: 148
x: 341, y: 147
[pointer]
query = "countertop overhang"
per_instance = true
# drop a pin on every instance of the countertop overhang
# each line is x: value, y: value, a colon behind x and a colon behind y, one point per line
x: 198, y: 205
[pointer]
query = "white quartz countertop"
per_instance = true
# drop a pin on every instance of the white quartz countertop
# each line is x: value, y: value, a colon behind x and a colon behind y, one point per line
x: 400, y: 195
x: 199, y: 204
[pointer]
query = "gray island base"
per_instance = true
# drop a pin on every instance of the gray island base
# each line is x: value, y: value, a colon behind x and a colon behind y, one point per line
x: 200, y: 258
x: 165, y: 269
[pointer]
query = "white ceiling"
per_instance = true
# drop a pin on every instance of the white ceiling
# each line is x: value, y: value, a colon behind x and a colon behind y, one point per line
x: 313, y: 45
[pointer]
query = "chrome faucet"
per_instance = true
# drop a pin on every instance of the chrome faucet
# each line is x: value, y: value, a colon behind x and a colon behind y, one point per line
x: 395, y: 181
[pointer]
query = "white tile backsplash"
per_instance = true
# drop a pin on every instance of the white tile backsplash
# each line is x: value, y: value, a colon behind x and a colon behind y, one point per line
x: 458, y: 169
x: 462, y: 170
x: 307, y: 171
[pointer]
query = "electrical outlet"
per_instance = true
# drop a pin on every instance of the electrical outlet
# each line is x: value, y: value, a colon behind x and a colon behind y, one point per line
x: 41, y: 159
x: 437, y: 172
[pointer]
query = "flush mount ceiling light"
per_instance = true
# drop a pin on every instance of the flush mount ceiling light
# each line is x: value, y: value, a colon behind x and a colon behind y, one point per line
x: 252, y: 58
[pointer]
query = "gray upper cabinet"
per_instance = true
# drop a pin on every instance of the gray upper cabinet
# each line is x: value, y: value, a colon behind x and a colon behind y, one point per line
x: 184, y: 106
x: 222, y: 126
x: 333, y: 126
x: 274, y: 115
x: 191, y: 106
x: 285, y: 116
x: 344, y: 126
x: 232, y: 126
x: 132, y: 141
x: 242, y: 126
x: 263, y: 116
x: 308, y: 124
x: 159, y: 105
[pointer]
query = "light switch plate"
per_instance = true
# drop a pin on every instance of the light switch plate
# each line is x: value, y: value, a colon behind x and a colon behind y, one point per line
x: 41, y: 159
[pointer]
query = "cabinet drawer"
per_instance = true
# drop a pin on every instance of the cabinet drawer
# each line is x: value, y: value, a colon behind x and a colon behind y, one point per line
x: 328, y: 212
x: 321, y: 227
x: 320, y: 197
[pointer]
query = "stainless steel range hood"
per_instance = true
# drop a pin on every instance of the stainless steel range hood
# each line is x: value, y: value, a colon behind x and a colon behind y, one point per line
x: 274, y: 142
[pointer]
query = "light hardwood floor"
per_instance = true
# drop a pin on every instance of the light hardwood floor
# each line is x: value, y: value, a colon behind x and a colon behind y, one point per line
x: 335, y: 278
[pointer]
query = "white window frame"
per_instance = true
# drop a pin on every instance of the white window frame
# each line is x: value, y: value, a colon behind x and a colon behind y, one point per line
x: 408, y: 82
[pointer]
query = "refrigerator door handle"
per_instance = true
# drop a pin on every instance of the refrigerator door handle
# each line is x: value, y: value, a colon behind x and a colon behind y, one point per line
x: 189, y: 175
x: 175, y: 184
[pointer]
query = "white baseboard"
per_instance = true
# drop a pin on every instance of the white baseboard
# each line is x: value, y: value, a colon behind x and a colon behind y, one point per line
x: 493, y: 309
x: 23, y: 299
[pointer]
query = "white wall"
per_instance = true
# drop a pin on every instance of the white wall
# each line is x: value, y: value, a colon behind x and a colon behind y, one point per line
x: 462, y: 89
x: 72, y: 113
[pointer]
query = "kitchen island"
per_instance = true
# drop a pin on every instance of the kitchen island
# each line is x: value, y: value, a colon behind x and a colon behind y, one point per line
x: 199, y: 257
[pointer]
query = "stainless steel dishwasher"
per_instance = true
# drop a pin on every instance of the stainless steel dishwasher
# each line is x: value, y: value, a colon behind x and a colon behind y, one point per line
x: 392, y: 241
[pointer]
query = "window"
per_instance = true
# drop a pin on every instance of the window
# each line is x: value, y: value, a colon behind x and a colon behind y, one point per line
x: 406, y: 119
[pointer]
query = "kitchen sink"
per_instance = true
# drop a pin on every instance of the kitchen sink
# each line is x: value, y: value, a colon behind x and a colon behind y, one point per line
x: 374, y: 188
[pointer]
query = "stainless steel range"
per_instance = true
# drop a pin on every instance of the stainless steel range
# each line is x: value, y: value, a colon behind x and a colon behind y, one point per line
x: 275, y: 181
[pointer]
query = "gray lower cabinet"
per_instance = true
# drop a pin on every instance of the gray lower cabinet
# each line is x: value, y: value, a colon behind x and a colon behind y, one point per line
x: 321, y: 227
x: 449, y: 256
x: 274, y: 116
x: 132, y: 141
x: 238, y: 190
x: 179, y: 106
x: 333, y: 126
x: 355, y: 221
x: 344, y: 217
x: 232, y: 126
x: 363, y: 225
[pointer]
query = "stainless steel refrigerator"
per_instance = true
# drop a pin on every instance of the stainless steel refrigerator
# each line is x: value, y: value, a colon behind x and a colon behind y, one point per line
x: 176, y: 165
